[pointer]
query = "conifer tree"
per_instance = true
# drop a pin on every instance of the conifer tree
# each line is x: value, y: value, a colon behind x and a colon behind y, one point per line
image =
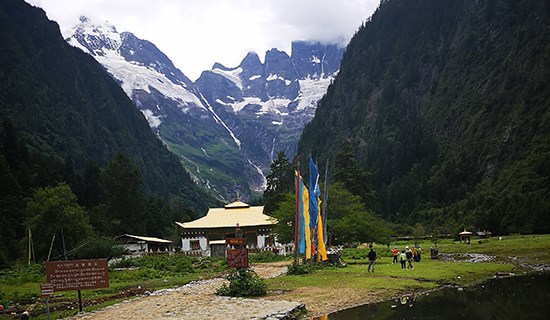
x: 279, y: 182
x: 123, y: 186
x: 354, y: 178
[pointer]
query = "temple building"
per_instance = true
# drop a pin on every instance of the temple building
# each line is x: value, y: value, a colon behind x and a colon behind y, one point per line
x: 206, y: 236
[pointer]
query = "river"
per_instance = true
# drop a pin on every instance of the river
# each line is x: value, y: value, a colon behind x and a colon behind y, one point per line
x: 519, y: 297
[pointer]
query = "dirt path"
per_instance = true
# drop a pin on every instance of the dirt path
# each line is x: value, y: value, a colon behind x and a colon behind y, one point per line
x: 197, y: 300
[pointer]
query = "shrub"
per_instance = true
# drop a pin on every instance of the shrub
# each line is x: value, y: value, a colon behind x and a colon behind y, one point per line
x: 125, y: 263
x: 182, y: 264
x: 266, y: 256
x: 355, y: 254
x: 243, y: 282
x: 21, y: 274
x: 297, y: 269
x: 99, y: 247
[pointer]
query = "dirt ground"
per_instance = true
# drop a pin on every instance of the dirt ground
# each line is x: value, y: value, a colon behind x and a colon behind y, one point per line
x: 198, y: 301
x: 318, y: 301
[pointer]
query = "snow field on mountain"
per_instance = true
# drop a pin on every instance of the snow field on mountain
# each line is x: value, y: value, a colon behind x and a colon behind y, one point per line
x: 135, y: 77
x: 311, y: 91
x: 232, y: 75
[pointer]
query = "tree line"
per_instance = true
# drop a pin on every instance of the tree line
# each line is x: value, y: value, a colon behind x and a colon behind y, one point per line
x: 43, y: 198
x: 515, y: 201
x: 350, y: 218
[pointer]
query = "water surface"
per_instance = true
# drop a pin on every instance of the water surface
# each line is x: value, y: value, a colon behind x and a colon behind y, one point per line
x: 521, y: 297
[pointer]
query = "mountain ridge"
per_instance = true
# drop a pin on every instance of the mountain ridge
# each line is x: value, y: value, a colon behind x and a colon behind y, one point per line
x: 447, y: 106
x: 63, y: 103
x: 208, y: 122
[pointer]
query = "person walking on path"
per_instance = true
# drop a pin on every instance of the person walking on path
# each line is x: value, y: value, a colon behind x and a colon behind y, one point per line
x: 409, y: 255
x: 395, y: 252
x: 372, y: 260
x: 403, y: 259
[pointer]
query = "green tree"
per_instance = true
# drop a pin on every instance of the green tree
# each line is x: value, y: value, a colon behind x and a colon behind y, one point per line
x: 160, y: 218
x: 97, y: 247
x: 55, y: 210
x: 349, y: 220
x: 279, y: 182
x: 11, y: 212
x: 348, y: 171
x: 92, y: 192
x: 285, y: 215
x: 123, y: 187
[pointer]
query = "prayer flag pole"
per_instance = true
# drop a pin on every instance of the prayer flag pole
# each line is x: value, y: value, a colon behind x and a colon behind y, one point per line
x: 297, y: 215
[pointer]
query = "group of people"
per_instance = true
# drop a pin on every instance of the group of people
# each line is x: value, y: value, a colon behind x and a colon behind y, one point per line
x: 407, y: 256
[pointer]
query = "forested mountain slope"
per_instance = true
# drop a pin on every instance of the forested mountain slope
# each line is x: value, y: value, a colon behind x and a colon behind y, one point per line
x: 63, y: 104
x: 447, y: 104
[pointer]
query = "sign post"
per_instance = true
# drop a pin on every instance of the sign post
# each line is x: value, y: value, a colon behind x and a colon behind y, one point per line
x: 68, y: 275
x: 46, y: 291
x: 238, y: 257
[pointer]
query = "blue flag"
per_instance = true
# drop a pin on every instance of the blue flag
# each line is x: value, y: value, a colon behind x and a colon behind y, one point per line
x: 315, y: 193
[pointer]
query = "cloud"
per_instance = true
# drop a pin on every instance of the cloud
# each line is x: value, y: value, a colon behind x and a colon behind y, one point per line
x: 196, y: 33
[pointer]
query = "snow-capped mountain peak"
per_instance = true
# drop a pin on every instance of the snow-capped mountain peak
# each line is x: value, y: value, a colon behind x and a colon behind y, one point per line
x: 95, y: 38
x: 137, y: 64
x: 227, y: 125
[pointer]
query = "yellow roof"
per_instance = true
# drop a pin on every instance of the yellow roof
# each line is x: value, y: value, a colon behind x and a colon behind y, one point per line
x: 228, y: 217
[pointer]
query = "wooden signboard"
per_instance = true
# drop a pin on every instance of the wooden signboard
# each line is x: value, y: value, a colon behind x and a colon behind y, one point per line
x: 237, y: 258
x: 236, y: 241
x: 46, y: 290
x: 78, y: 274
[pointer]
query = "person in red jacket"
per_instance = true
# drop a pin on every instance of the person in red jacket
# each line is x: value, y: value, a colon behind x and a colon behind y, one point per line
x: 395, y: 252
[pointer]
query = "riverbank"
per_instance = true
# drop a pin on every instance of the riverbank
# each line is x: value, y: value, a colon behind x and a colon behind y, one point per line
x: 332, y: 289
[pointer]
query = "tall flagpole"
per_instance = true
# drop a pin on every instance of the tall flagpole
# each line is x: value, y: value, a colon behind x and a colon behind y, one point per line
x: 297, y: 215
x: 325, y: 214
x: 313, y: 207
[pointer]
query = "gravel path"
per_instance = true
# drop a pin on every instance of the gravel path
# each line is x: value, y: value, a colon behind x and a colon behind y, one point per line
x: 198, y: 301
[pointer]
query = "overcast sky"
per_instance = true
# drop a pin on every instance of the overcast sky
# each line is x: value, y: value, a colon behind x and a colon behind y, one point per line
x: 196, y: 33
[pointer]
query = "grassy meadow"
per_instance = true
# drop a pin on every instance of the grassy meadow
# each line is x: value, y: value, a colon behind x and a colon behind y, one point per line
x: 509, y: 255
x: 19, y: 287
x: 128, y: 278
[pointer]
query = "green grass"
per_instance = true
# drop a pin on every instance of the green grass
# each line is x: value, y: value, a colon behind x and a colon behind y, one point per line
x: 389, y: 280
x: 427, y: 274
x: 532, y: 249
x: 128, y: 279
x: 21, y: 285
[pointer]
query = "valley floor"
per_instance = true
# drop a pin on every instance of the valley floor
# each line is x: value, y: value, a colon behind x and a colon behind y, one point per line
x: 332, y: 289
x: 198, y: 301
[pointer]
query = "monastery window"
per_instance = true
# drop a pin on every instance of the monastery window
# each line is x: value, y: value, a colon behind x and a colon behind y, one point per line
x: 195, y: 244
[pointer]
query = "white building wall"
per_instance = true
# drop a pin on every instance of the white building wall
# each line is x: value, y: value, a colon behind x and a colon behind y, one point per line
x: 186, y: 243
x: 203, y: 243
x: 261, y: 241
x: 135, y: 247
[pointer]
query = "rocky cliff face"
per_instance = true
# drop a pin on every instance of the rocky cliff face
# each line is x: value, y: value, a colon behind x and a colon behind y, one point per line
x: 227, y: 125
x: 269, y: 103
